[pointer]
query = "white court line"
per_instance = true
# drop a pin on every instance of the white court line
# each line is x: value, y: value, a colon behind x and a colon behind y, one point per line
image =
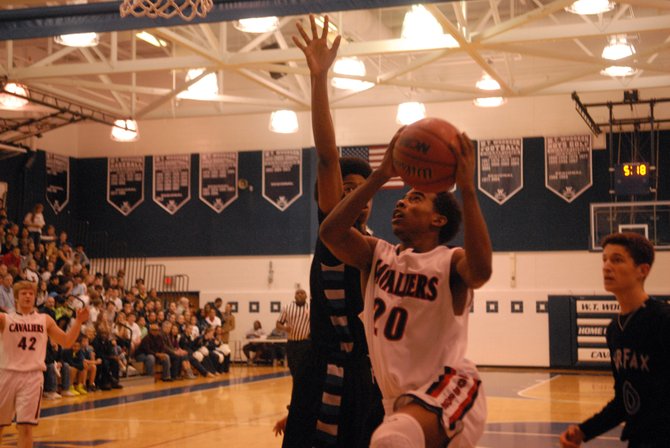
x: 540, y: 434
x: 540, y: 383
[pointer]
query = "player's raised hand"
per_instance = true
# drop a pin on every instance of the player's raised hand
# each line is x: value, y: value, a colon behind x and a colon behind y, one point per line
x: 386, y: 167
x: 465, y: 157
x: 83, y: 314
x: 319, y: 57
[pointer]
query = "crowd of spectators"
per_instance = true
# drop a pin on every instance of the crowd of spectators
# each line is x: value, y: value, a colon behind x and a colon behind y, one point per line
x: 128, y: 322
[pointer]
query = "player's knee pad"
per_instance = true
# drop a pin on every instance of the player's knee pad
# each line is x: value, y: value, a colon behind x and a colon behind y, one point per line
x: 398, y: 431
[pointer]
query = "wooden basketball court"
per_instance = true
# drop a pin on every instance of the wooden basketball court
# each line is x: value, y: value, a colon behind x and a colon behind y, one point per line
x: 526, y: 409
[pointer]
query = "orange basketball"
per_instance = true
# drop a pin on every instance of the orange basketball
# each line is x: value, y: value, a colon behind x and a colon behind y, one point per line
x: 422, y: 155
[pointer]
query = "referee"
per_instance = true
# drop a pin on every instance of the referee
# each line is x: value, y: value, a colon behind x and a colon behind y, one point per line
x: 294, y: 320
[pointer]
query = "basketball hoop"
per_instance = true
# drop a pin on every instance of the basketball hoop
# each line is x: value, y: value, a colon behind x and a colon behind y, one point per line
x: 166, y: 9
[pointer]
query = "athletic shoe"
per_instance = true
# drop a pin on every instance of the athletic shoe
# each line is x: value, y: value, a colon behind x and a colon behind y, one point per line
x: 190, y: 376
x: 81, y: 389
x: 117, y: 386
x: 52, y: 395
x: 71, y: 392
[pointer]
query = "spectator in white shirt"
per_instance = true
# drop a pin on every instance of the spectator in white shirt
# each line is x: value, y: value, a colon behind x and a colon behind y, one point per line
x: 212, y: 319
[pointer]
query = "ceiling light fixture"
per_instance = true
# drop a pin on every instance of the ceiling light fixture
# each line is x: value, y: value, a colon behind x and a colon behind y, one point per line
x: 284, y: 122
x: 487, y: 83
x: 419, y: 23
x: 151, y: 39
x: 78, y: 40
x: 588, y: 7
x: 618, y: 71
x: 125, y: 131
x: 207, y: 88
x: 350, y: 66
x: 257, y: 25
x: 410, y: 112
x: 9, y: 101
x: 491, y: 101
x: 618, y: 48
x: 332, y: 28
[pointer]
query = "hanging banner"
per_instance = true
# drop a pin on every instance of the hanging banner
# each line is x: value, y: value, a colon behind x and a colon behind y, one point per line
x: 282, y: 177
x: 500, y: 168
x: 567, y: 165
x: 58, y: 181
x: 172, y: 181
x: 218, y: 179
x: 125, y: 183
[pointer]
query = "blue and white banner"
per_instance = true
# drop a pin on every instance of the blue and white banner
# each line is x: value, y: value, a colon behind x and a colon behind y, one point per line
x: 218, y: 179
x: 125, y: 183
x: 567, y: 165
x: 172, y: 181
x: 282, y: 177
x: 500, y: 168
x: 58, y: 181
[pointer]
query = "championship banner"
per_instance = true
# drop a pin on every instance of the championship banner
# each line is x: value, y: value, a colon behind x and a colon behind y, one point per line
x: 374, y: 156
x: 218, y: 180
x: 500, y: 168
x: 282, y: 177
x: 125, y: 183
x: 172, y: 181
x: 58, y: 181
x: 567, y: 165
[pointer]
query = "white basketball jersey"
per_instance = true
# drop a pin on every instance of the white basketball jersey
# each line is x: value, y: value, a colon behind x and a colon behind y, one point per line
x: 410, y: 325
x: 24, y: 340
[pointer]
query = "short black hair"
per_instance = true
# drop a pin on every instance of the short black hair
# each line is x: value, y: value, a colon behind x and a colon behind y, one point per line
x: 640, y: 248
x: 350, y: 165
x: 445, y: 203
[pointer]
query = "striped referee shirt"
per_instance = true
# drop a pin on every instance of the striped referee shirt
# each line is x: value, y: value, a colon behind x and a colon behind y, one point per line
x: 297, y: 317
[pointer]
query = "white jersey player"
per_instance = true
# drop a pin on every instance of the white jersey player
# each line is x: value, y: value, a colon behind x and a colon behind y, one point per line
x: 23, y: 341
x: 417, y: 299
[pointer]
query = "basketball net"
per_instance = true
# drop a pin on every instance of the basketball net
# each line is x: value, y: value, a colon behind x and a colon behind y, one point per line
x: 186, y: 9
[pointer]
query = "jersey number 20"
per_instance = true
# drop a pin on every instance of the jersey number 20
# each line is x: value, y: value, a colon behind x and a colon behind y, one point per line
x: 395, y: 322
x: 23, y: 343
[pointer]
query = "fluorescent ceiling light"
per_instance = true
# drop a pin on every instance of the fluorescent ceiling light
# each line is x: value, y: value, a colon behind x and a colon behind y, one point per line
x: 9, y: 101
x: 618, y: 48
x: 151, y: 39
x: 257, y: 25
x: 410, y: 112
x: 78, y: 40
x: 419, y: 23
x: 617, y: 71
x: 491, y: 101
x: 125, y: 131
x: 350, y: 66
x: 207, y: 88
x: 587, y: 7
x: 487, y: 83
x: 284, y: 122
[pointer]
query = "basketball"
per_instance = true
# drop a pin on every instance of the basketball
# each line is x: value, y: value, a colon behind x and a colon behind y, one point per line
x: 422, y: 155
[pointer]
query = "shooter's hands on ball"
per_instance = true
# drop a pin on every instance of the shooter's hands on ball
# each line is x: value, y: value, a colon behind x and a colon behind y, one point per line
x: 386, y: 168
x: 319, y: 57
x: 572, y: 437
x: 465, y: 157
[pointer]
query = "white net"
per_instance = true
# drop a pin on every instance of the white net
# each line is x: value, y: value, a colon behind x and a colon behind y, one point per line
x: 186, y: 9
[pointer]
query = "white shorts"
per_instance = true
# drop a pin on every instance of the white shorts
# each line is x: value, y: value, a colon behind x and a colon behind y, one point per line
x: 21, y: 396
x: 458, y: 398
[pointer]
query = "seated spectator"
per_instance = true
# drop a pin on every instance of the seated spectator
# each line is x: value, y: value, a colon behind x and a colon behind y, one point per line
x: 50, y: 375
x: 121, y: 333
x: 210, y: 347
x: 183, y: 306
x: 108, y: 371
x: 83, y: 258
x: 178, y: 356
x: 142, y: 324
x: 254, y: 348
x: 50, y: 235
x: 42, y: 293
x: 277, y: 351
x: 12, y: 260
x: 79, y: 288
x: 74, y: 359
x: 91, y: 363
x: 63, y: 372
x: 212, y: 319
x: 152, y: 348
x: 191, y: 346
x: 222, y: 347
x: 6, y: 292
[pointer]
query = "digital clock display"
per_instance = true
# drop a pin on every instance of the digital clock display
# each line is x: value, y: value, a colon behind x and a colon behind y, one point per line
x: 631, y: 178
x: 634, y: 169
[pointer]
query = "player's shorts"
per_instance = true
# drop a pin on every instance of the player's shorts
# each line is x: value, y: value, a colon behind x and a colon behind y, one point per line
x: 21, y: 396
x: 457, y: 398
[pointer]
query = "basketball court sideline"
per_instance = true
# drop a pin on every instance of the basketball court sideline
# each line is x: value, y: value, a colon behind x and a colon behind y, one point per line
x: 527, y: 408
